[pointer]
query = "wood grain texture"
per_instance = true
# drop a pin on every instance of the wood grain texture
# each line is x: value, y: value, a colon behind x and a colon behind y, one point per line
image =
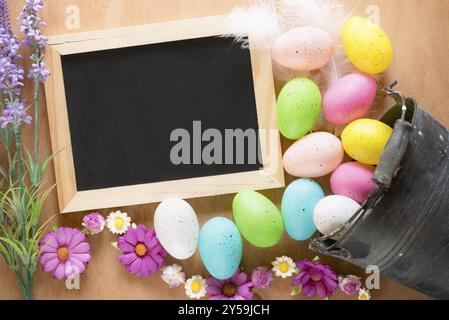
x: 416, y: 29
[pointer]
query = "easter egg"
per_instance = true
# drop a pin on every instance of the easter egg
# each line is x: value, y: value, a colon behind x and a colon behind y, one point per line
x: 257, y: 218
x: 353, y: 180
x: 298, y: 202
x: 367, y: 45
x: 220, y: 247
x: 303, y: 49
x: 332, y: 212
x: 364, y: 140
x: 349, y: 98
x: 298, y: 108
x: 314, y: 156
x: 176, y: 226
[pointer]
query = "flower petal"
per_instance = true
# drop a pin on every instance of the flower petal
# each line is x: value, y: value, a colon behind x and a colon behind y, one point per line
x: 125, y: 247
x: 77, y: 238
x: 151, y: 264
x: 141, y: 232
x: 135, y: 267
x: 239, y: 278
x: 77, y: 265
x: 131, y: 236
x: 308, y: 289
x: 45, y: 257
x: 83, y: 247
x: 83, y: 257
x: 59, y: 272
x: 51, y: 265
x: 321, y: 290
x: 127, y: 258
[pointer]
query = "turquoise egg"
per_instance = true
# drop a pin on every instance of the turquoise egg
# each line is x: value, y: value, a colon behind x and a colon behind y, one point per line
x: 220, y: 246
x: 298, y: 203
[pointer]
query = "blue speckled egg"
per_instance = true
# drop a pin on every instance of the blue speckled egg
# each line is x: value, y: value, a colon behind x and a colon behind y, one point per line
x: 220, y: 246
x: 298, y: 203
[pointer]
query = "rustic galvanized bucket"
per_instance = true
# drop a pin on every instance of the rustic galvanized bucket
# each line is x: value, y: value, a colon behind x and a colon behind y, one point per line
x: 403, y: 227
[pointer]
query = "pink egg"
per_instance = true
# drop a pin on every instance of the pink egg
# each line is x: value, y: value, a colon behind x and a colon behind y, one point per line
x: 349, y: 98
x: 314, y: 156
x: 353, y: 180
x: 303, y: 49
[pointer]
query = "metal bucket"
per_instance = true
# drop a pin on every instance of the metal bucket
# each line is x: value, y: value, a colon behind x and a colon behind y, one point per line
x: 403, y: 227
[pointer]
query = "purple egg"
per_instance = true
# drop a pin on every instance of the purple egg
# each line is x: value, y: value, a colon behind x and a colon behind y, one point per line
x: 349, y: 98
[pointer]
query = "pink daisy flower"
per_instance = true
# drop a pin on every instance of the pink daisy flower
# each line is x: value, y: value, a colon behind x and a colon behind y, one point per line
x: 142, y: 254
x: 64, y: 252
x: 315, y: 278
x: 239, y: 287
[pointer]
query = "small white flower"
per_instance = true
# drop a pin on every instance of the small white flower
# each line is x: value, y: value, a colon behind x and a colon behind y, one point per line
x: 284, y: 267
x: 118, y: 222
x: 196, y: 287
x: 364, y: 294
x: 173, y: 275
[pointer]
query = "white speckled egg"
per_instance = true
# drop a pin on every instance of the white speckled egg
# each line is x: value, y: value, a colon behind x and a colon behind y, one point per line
x: 177, y: 228
x: 332, y: 212
x: 303, y: 49
x: 314, y: 156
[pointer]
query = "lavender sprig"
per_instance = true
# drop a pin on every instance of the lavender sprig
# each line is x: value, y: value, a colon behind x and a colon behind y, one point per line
x: 30, y: 25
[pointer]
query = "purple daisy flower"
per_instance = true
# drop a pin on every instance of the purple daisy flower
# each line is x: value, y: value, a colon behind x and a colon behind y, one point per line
x: 64, y: 252
x: 239, y: 287
x: 142, y: 254
x: 262, y: 277
x: 315, y: 278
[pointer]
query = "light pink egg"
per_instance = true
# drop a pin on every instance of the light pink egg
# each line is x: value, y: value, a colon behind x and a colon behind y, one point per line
x: 314, y: 156
x: 349, y: 98
x: 353, y: 180
x: 303, y: 49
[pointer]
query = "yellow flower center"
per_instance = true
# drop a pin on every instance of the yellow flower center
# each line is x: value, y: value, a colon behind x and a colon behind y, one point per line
x: 140, y: 249
x: 363, y: 297
x: 63, y: 253
x: 118, y: 222
x: 195, y: 286
x: 284, y: 267
x: 229, y: 290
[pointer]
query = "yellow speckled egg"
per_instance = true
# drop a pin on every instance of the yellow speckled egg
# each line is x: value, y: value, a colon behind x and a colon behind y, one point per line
x: 364, y: 140
x: 367, y: 45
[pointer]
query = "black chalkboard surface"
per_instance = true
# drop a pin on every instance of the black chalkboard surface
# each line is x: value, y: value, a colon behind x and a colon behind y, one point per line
x: 124, y: 103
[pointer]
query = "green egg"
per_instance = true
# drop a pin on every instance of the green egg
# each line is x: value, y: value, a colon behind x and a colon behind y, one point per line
x: 257, y: 218
x: 298, y: 108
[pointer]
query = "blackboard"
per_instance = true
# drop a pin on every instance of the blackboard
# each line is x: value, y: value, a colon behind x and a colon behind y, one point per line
x: 117, y: 96
x: 124, y: 103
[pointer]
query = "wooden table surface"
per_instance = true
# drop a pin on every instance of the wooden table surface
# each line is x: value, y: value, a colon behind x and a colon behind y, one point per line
x: 418, y: 30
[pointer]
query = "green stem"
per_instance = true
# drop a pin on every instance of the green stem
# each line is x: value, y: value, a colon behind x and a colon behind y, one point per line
x: 17, y: 134
x: 36, y: 121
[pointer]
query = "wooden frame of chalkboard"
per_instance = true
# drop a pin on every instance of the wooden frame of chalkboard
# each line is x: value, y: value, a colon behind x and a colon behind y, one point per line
x: 73, y: 200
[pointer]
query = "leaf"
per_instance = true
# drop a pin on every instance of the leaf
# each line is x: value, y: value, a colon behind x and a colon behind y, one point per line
x: 114, y: 244
x: 16, y: 246
x: 296, y: 291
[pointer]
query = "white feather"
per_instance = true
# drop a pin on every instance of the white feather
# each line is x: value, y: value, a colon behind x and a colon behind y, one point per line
x: 259, y: 22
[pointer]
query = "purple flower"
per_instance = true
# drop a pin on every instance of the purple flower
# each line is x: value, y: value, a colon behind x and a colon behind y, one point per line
x: 350, y: 285
x: 315, y: 278
x: 14, y: 114
x: 64, y: 252
x: 4, y: 15
x: 239, y: 287
x: 30, y: 24
x: 94, y: 222
x: 142, y: 254
x: 11, y: 74
x: 262, y: 277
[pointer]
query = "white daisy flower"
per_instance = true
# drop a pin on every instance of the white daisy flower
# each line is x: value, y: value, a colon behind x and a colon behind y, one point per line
x: 196, y: 287
x: 284, y: 267
x: 118, y: 222
x: 364, y: 294
x: 173, y: 275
